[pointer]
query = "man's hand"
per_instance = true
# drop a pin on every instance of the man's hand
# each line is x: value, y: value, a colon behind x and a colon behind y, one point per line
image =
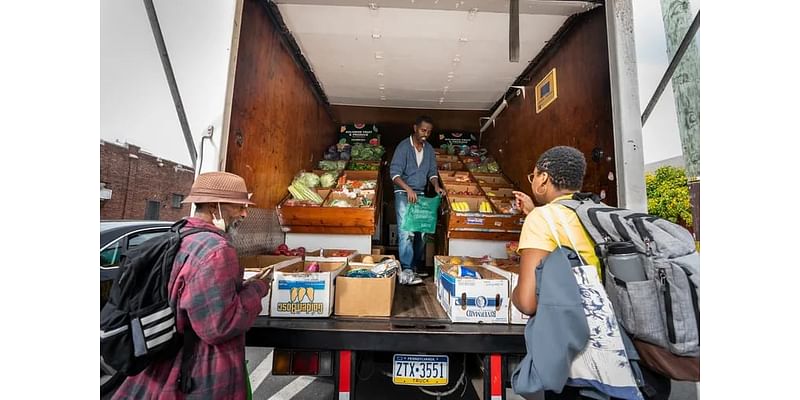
x: 524, y: 202
x: 265, y: 276
x: 412, y: 196
x: 441, y: 190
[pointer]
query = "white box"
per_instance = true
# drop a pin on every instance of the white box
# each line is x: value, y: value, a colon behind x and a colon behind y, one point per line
x: 474, y: 300
x: 296, y: 293
x: 253, y: 264
x: 515, y: 315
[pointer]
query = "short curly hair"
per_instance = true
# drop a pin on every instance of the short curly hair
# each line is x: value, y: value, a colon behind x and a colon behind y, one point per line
x: 565, y: 165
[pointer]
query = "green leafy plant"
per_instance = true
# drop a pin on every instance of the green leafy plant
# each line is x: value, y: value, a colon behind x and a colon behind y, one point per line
x: 668, y: 195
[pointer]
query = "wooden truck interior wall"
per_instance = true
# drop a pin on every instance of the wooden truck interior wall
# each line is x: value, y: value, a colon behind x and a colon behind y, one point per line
x: 278, y: 126
x: 579, y: 117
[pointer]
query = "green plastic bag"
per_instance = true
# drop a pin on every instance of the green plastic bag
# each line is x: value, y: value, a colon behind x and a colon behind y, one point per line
x: 421, y: 216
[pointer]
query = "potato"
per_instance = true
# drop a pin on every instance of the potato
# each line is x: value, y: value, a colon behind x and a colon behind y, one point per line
x: 368, y: 260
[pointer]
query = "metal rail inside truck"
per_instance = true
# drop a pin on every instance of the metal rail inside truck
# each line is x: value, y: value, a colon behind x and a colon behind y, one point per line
x: 285, y: 103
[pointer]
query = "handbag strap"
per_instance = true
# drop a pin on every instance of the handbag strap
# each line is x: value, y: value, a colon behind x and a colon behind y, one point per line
x: 549, y: 219
x: 564, y: 225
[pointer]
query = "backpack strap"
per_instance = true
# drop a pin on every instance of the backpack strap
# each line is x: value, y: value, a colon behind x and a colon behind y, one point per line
x: 185, y: 381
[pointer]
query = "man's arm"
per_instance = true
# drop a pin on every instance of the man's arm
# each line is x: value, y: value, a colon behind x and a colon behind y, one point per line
x: 396, y: 169
x: 433, y: 172
x: 218, y: 312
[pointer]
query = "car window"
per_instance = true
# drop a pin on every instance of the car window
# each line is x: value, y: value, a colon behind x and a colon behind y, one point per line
x: 110, y: 256
x: 139, y: 238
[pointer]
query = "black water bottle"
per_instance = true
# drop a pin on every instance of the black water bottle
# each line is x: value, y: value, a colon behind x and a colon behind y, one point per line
x: 625, y: 263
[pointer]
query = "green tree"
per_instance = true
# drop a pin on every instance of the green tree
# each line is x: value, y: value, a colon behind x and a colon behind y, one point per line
x: 668, y: 195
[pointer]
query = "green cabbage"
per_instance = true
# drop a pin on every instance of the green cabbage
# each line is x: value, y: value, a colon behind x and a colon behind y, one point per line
x: 309, y: 179
x: 327, y: 180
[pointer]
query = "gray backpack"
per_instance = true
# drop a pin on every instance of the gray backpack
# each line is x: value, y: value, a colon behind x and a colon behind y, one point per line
x: 664, y: 309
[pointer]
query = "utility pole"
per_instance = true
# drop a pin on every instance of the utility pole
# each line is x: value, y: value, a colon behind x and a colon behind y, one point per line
x: 677, y: 17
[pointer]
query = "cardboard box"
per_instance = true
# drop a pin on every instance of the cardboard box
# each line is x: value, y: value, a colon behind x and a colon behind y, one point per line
x: 327, y: 255
x: 475, y: 300
x: 511, y: 272
x: 378, y: 250
x: 445, y: 261
x: 296, y: 293
x: 254, y: 264
x: 358, y: 260
x: 364, y: 297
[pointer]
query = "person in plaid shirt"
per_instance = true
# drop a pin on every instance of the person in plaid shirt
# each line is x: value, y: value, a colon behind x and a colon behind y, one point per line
x: 211, y: 296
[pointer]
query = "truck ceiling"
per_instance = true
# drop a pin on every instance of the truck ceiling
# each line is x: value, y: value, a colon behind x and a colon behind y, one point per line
x: 435, y: 54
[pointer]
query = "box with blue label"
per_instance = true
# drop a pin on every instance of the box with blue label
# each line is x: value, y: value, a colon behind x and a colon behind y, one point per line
x: 511, y: 272
x: 254, y: 264
x: 473, y: 294
x: 305, y: 290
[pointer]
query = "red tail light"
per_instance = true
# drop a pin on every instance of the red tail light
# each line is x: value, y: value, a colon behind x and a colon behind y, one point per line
x: 294, y: 362
x: 305, y: 363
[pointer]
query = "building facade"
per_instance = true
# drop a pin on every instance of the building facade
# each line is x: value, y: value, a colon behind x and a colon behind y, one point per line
x: 135, y: 184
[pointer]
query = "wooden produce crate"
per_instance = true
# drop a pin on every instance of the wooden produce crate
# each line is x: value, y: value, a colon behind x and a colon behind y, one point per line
x: 450, y: 166
x: 338, y: 220
x: 478, y: 221
x: 468, y: 190
x: 492, y: 180
x: 350, y: 220
x: 361, y: 175
x: 482, y: 226
x: 455, y: 177
x: 446, y: 157
x: 504, y: 206
x: 498, y: 192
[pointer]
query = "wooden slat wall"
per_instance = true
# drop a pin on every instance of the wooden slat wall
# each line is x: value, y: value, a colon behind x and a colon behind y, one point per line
x: 579, y: 117
x: 282, y: 126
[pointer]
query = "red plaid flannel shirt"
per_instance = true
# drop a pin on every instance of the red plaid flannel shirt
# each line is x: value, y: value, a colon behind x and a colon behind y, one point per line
x: 220, y: 308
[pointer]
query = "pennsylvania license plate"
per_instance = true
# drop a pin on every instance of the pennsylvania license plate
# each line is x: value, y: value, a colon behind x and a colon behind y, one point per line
x: 420, y: 370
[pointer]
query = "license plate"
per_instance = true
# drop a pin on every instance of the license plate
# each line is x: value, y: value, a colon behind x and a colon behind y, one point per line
x: 420, y: 370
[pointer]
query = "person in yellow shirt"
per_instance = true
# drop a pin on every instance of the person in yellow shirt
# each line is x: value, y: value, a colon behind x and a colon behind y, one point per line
x: 558, y: 174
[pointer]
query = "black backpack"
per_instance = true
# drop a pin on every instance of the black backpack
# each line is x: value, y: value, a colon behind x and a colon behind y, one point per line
x: 137, y: 324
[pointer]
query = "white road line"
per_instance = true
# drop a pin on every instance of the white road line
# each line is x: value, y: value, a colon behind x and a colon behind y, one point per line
x: 262, y: 371
x: 293, y: 388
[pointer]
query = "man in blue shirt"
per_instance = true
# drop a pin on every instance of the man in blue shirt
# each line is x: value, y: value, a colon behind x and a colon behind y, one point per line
x: 413, y: 166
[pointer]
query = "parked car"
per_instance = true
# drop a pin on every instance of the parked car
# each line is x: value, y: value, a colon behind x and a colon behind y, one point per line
x: 117, y: 237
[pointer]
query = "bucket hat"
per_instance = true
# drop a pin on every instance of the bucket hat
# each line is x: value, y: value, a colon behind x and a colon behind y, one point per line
x: 219, y: 187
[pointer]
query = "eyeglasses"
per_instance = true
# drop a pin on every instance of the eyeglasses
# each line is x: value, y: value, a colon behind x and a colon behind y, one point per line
x: 530, y: 177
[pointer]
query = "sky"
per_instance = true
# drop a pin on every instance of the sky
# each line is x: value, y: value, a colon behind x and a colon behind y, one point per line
x: 136, y: 105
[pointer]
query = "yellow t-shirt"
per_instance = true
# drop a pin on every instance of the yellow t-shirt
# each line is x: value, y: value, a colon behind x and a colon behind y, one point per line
x: 536, y: 234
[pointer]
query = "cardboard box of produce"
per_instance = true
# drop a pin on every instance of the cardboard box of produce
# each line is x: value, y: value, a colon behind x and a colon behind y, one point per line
x: 474, y: 300
x: 511, y: 272
x: 297, y: 293
x: 331, y: 255
x: 368, y: 260
x: 364, y: 297
x: 254, y: 264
